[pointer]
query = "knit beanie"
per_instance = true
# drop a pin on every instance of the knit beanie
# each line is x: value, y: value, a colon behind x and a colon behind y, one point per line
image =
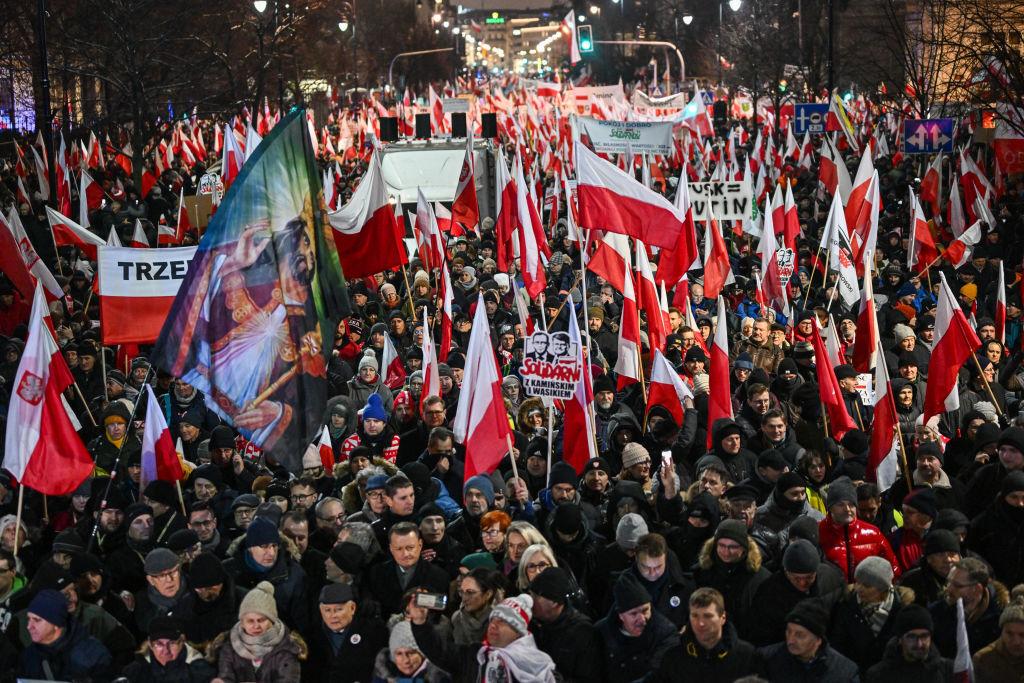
x: 261, y: 532
x: 874, y: 571
x: 160, y: 491
x: 553, y: 584
x: 51, y: 606
x: 1012, y: 613
x: 913, y: 617
x: 629, y: 530
x: 260, y: 600
x: 480, y: 559
x: 516, y: 612
x: 1012, y: 483
x: 856, y: 441
x: 347, y: 556
x: 368, y: 360
x: 629, y: 593
x: 941, y: 541
x: 1012, y: 436
x: 840, y: 491
x: 811, y: 615
x: 563, y: 473
x: 801, y: 557
x: 922, y: 500
x: 930, y: 448
x: 733, y: 530
x: 789, y: 480
x: 374, y: 409
x: 634, y: 454
x: 481, y: 483
x: 567, y: 519
x: 206, y: 571
x: 401, y: 637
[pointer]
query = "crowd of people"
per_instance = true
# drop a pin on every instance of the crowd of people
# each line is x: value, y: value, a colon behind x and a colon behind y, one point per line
x: 753, y: 548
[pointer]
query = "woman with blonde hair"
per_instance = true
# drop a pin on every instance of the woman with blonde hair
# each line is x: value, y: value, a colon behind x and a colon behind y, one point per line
x: 535, y: 559
x: 519, y: 536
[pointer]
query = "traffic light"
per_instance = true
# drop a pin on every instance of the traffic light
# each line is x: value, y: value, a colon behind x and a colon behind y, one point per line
x: 585, y: 38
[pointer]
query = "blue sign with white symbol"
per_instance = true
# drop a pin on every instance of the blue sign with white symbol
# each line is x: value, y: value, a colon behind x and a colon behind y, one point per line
x: 809, y: 117
x: 708, y: 97
x: 928, y: 136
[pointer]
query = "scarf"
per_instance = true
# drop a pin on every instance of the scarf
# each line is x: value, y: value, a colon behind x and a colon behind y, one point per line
x: 468, y: 628
x: 163, y: 602
x: 877, y: 613
x: 519, y: 661
x: 942, y: 483
x: 254, y: 566
x: 256, y: 648
x: 213, y: 542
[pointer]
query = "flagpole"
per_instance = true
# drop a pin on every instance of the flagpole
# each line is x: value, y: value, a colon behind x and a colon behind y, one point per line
x: 81, y: 398
x: 511, y: 455
x: 903, y: 452
x: 984, y: 379
x: 181, y: 498
x: 17, y: 522
x: 408, y: 292
x: 559, y: 311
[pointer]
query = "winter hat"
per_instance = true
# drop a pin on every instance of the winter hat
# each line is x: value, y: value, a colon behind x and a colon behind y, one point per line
x: 160, y: 560
x: 246, y: 500
x: 210, y: 473
x: 206, y: 571
x: 787, y: 481
x: 840, y: 491
x: 1012, y: 613
x: 941, y: 541
x: 596, y: 465
x: 51, y: 606
x: 134, y: 511
x: 629, y: 530
x: 874, y: 571
x: 83, y: 563
x: 368, y: 360
x: 701, y: 384
x: 773, y: 460
x: 52, y: 575
x: 260, y: 600
x: 732, y: 529
x: 603, y: 383
x: 1012, y: 436
x: 376, y: 482
x: 567, y: 519
x: 901, y: 332
x: 787, y: 366
x: 811, y: 615
x: 986, y: 435
x: 483, y: 484
x: 165, y: 628
x: 347, y: 556
x: 69, y: 542
x: 922, y: 500
x: 930, y: 448
x: 336, y: 594
x: 374, y: 409
x: 1012, y: 482
x: 913, y: 617
x: 182, y: 540
x: 401, y: 637
x: 856, y: 441
x: 846, y: 371
x: 744, y: 361
x: 970, y: 290
x: 563, y: 473
x: 160, y: 491
x: 804, y: 527
x: 475, y: 560
x: 516, y: 612
x: 801, y: 557
x: 629, y: 593
x: 634, y: 454
x: 222, y: 436
x: 261, y: 532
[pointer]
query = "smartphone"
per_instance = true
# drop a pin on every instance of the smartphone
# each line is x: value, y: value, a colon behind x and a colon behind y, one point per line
x: 434, y: 601
x: 666, y: 459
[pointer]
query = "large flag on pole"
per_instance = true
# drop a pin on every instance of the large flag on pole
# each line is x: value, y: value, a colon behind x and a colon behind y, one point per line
x: 160, y: 459
x: 839, y: 420
x: 883, y: 453
x: 719, y: 395
x: 578, y: 443
x: 667, y: 389
x: 254, y: 319
x: 955, y: 341
x: 42, y: 449
x: 481, y: 423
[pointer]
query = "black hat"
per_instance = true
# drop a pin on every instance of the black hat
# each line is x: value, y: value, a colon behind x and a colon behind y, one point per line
x: 931, y: 448
x: 801, y: 557
x: 734, y: 530
x: 628, y: 593
x: 52, y: 575
x: 431, y: 509
x: 740, y: 492
x: 552, y: 584
x: 603, y: 383
x: 986, y: 435
x: 83, y: 563
x: 222, y: 436
x: 695, y: 353
x: 907, y: 359
x: 567, y: 519
x: 810, y: 614
x: 210, y: 473
x: 182, y: 540
x: 923, y: 500
x: 787, y: 481
x: 1012, y: 482
x: 206, y: 571
x: 913, y: 617
x: 773, y: 460
x: 856, y: 441
x: 160, y: 491
x: 69, y: 542
x: 951, y: 520
x: 336, y: 594
x: 1012, y: 436
x: 806, y: 528
x: 563, y: 473
x: 596, y: 464
x: 941, y: 541
x: 845, y: 372
x: 347, y: 556
x: 165, y: 628
x: 134, y: 511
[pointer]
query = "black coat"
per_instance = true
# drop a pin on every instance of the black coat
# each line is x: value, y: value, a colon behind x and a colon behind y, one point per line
x: 627, y: 659
x: 736, y: 582
x: 828, y: 667
x: 926, y: 584
x: 572, y: 643
x: 998, y: 535
x: 774, y: 598
x: 730, y: 659
x: 388, y: 590
x: 289, y: 585
x: 670, y: 594
x: 851, y: 634
x: 353, y: 661
x: 894, y: 668
x: 981, y: 631
x: 189, y: 667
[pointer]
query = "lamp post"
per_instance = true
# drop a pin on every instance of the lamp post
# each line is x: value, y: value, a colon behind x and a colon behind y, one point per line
x: 348, y: 18
x: 260, y: 6
x: 44, y: 123
x: 734, y: 5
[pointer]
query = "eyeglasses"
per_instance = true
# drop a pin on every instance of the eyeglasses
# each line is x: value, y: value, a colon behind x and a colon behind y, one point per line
x: 376, y: 495
x: 491, y: 532
x: 170, y: 574
x: 433, y: 412
x: 302, y: 496
x: 537, y: 566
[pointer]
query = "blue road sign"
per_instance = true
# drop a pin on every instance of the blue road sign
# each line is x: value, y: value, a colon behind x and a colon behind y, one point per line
x: 708, y: 96
x: 809, y: 117
x: 928, y: 136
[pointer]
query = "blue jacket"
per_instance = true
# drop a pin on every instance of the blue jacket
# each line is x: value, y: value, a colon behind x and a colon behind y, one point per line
x: 74, y: 656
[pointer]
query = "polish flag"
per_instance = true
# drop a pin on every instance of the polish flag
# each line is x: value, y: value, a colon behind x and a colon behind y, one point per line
x: 610, y: 199
x: 112, y: 238
x: 368, y: 238
x: 959, y: 251
x: 232, y: 158
x: 771, y: 284
x: 806, y: 152
x: 42, y: 175
x: 184, y: 223
x: 955, y: 341
x: 865, y: 344
x: 67, y: 233
x: 531, y: 236
x: 326, y: 451
x: 720, y: 393
x: 465, y: 208
x: 931, y: 183
x: 23, y: 197
x: 973, y: 180
x: 717, y: 267
x: 568, y: 29
x: 90, y: 197
x: 839, y: 419
x: 883, y: 454
x: 963, y: 665
x: 627, y: 364
x: 330, y: 190
x: 859, y: 191
x: 160, y: 460
x: 63, y: 180
x: 790, y: 220
x: 139, y: 239
x: 506, y: 212
x: 30, y: 258
x: 578, y: 429
x: 957, y: 219
x: 44, y: 452
x: 431, y: 378
x: 13, y: 262
x: 437, y: 118
x: 252, y: 141
x: 446, y: 311
x: 1000, y: 317
x: 832, y: 171
x: 792, y: 147
x: 675, y: 262
x: 666, y: 388
x: 657, y: 325
x: 922, y: 251
x: 481, y: 423
x: 394, y: 371
x: 610, y: 258
x: 519, y: 300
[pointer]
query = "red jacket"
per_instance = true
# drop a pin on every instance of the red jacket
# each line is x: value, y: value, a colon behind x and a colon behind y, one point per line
x: 846, y: 546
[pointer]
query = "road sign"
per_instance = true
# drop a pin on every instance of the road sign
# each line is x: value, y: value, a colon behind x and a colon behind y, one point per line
x: 708, y: 97
x: 928, y: 136
x: 809, y: 117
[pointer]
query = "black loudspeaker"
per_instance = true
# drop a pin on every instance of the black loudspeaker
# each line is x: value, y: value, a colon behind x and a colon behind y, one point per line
x: 489, y: 122
x: 388, y: 129
x: 458, y: 125
x: 422, y: 126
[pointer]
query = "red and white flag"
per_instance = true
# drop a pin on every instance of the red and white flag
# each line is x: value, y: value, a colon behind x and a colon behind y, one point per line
x: 790, y: 220
x: 232, y: 158
x: 959, y: 251
x: 963, y: 665
x: 481, y: 423
x: 883, y: 453
x: 771, y: 281
x: 1000, y: 317
x: 506, y: 212
x: 30, y: 258
x: 627, y: 364
x: 931, y: 184
x: 957, y: 219
x: 531, y: 236
x: 676, y: 261
x: 67, y: 233
x: 568, y: 28
x: 136, y: 290
x: 859, y: 191
x: 431, y: 377
x: 832, y: 171
x: 465, y: 209
x: 578, y: 442
x: 63, y: 180
x: 368, y: 237
x: 139, y: 239
x: 922, y: 251
x: 447, y: 320
x: 90, y: 197
x: 160, y: 459
x: 831, y: 393
x: 44, y: 451
x: 666, y: 388
x: 252, y: 141
x: 719, y: 392
x: 430, y: 243
x: 717, y: 267
x: 657, y: 324
x: 611, y: 199
x: 42, y: 175
x: 865, y: 343
x: 955, y: 341
x: 394, y: 371
x: 325, y: 450
x: 610, y: 259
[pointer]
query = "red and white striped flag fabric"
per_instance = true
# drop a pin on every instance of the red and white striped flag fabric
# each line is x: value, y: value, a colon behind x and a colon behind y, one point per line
x: 67, y: 233
x: 394, y: 371
x: 955, y: 341
x: 676, y: 261
x: 506, y: 212
x: 90, y: 197
x: 959, y: 251
x: 326, y: 450
x: 627, y: 364
x: 717, y: 267
x: 771, y: 283
x: 839, y: 420
x: 465, y: 208
x: 578, y: 443
x: 931, y: 184
x: 666, y: 388
x: 44, y: 452
x: 531, y: 236
x: 865, y: 343
x: 922, y: 251
x: 447, y: 319
x: 232, y: 158
x: 568, y: 29
x: 883, y: 453
x: 963, y: 665
x: 1000, y: 317
x: 481, y: 423
x: 431, y: 377
x: 160, y: 460
x: 719, y: 392
x: 36, y: 266
x: 136, y: 290
x: 657, y: 324
x: 611, y: 199
x: 139, y: 239
x: 430, y: 244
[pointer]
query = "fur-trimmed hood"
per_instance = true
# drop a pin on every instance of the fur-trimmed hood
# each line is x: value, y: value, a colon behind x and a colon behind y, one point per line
x: 350, y: 499
x: 707, y: 555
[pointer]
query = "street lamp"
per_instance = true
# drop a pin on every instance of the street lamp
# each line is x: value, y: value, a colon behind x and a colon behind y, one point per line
x: 260, y: 5
x: 594, y: 9
x: 734, y: 5
x: 687, y: 19
x: 343, y: 25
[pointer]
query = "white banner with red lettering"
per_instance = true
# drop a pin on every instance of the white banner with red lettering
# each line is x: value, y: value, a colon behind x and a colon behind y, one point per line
x: 136, y: 290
